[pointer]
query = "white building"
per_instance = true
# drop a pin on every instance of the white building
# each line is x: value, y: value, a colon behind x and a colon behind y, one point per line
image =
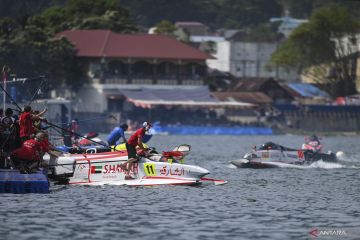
x: 248, y: 59
x: 288, y: 24
x: 347, y: 45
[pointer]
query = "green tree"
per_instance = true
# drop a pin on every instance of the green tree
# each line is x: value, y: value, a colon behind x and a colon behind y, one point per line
x: 89, y: 14
x: 31, y: 51
x: 112, y: 20
x: 214, y: 13
x: 30, y: 47
x: 324, y: 45
x: 304, y: 8
x: 165, y: 27
x: 17, y: 9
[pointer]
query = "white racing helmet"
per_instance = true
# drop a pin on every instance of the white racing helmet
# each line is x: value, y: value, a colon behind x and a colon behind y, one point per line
x: 147, y: 124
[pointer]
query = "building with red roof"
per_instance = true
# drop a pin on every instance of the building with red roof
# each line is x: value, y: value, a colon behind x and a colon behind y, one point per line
x: 120, y: 66
x: 138, y: 58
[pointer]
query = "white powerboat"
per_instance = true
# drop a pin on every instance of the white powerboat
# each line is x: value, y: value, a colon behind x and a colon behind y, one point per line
x: 271, y: 155
x: 108, y: 168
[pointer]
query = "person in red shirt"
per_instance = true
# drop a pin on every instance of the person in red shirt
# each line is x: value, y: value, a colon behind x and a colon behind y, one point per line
x: 29, y: 155
x: 134, y: 141
x: 26, y: 122
x: 46, y: 146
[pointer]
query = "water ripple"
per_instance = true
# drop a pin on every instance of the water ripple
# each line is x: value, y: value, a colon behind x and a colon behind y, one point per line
x: 255, y: 204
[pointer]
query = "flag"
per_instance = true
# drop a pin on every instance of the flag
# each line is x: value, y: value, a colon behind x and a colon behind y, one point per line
x: 96, y: 169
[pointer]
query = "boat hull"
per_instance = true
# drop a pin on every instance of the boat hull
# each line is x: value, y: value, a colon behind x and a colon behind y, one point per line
x: 244, y: 163
x: 109, y: 169
x: 277, y: 158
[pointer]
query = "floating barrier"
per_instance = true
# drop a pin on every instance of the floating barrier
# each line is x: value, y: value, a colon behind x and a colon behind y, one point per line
x: 197, y: 130
x: 12, y: 181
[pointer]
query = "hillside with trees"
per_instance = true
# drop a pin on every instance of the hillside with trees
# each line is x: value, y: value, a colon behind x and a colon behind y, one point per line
x: 29, y: 46
x: 214, y: 13
x: 319, y: 49
x: 28, y: 27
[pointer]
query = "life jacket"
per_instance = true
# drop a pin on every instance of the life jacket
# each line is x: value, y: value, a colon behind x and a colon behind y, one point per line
x: 30, y: 150
x: 315, y: 146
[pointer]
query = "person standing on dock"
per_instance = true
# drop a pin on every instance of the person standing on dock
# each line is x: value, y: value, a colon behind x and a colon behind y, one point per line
x: 26, y: 122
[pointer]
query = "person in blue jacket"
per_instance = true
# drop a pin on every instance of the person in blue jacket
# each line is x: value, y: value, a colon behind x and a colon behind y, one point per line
x: 116, y: 134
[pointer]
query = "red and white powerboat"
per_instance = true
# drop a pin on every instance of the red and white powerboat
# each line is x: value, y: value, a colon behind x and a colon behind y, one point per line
x: 271, y: 155
x: 107, y: 168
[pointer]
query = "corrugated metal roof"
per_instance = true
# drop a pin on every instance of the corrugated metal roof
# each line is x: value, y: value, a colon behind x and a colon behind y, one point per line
x: 180, y: 24
x: 105, y: 43
x: 249, y: 97
x: 206, y: 39
x: 251, y: 84
x: 307, y: 90
x: 199, y: 96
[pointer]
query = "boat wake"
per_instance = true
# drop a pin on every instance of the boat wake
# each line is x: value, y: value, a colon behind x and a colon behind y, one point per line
x: 326, y: 165
x: 317, y: 164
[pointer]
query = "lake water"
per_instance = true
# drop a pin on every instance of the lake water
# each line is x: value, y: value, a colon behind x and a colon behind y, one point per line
x: 283, y: 203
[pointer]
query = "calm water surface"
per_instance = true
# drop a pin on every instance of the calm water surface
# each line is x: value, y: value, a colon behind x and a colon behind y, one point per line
x: 283, y: 203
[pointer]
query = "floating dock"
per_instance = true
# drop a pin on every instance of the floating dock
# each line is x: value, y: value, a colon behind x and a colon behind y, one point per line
x: 12, y: 181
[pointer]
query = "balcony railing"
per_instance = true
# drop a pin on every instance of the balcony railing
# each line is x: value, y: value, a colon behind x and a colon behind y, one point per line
x: 150, y: 80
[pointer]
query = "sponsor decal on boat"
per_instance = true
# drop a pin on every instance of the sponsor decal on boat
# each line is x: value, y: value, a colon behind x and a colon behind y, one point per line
x: 265, y: 155
x: 118, y: 168
x: 172, y: 172
x: 149, y: 169
x: 96, y: 169
x: 292, y: 156
x: 275, y: 155
x: 82, y: 171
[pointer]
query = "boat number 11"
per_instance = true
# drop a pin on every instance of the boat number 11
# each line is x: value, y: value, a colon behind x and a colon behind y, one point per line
x: 149, y: 169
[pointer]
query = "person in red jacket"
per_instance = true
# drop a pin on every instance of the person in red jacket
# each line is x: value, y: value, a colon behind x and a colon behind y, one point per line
x: 26, y: 122
x: 134, y: 141
x: 46, y: 146
x: 28, y: 156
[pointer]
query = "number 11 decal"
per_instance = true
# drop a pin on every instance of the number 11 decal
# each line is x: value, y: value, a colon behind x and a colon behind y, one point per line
x: 149, y: 169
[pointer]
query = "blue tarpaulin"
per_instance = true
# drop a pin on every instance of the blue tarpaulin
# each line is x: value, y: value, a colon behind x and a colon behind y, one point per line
x: 307, y: 90
x: 207, y: 130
